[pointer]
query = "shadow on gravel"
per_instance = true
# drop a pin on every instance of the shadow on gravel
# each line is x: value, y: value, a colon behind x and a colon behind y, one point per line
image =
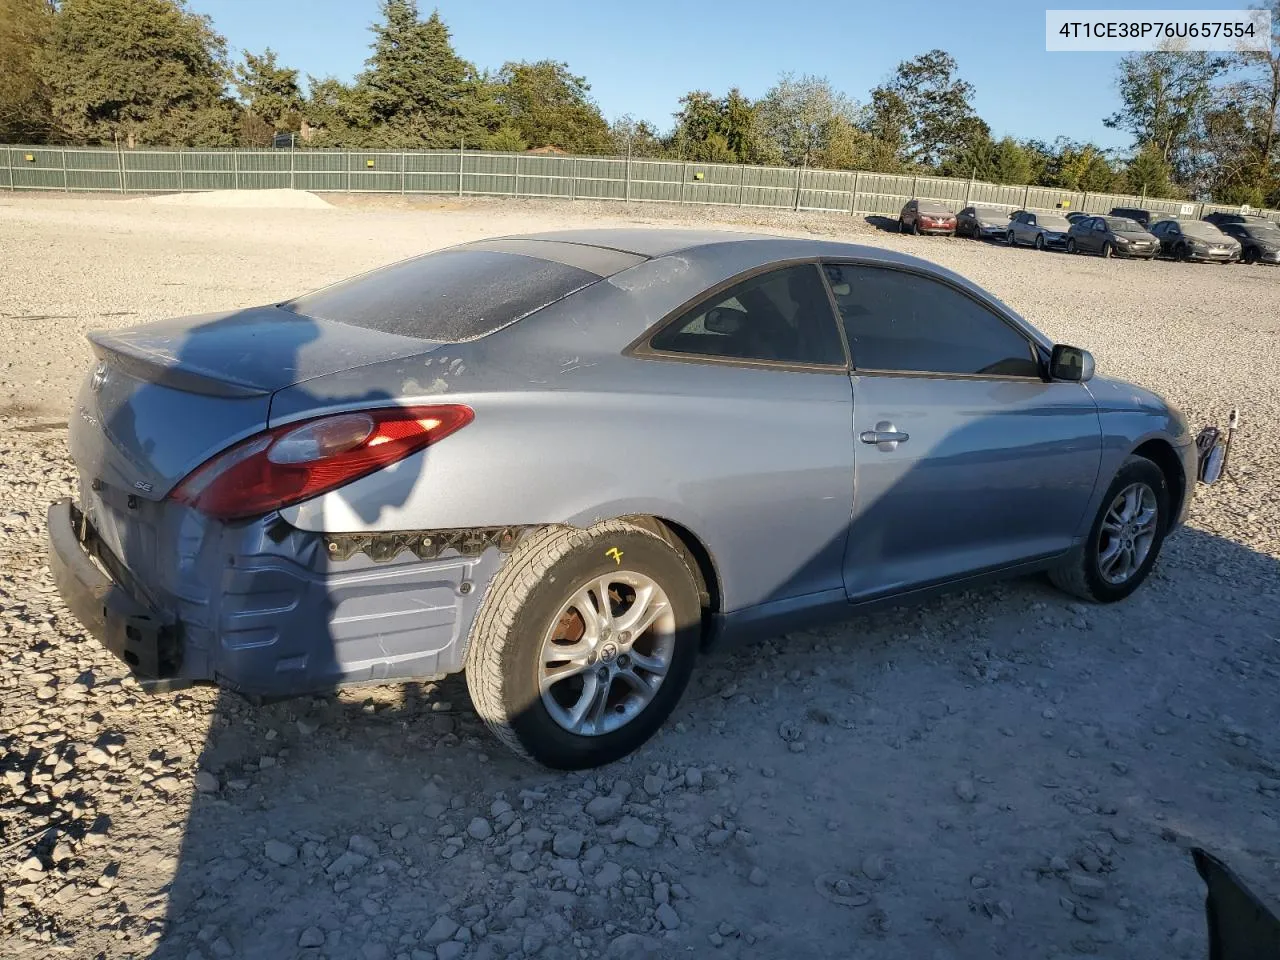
x: 384, y: 822
x: 885, y: 224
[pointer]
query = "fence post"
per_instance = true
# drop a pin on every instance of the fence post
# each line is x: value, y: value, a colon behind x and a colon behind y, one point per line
x: 403, y: 155
x: 628, y: 193
x: 517, y: 176
x: 120, y: 165
x: 1026, y: 194
x: 853, y: 195
x: 292, y: 175
x: 235, y: 164
x: 684, y: 177
x: 799, y: 177
x: 742, y: 183
x: 968, y: 189
x: 914, y: 181
x: 573, y: 179
x: 182, y: 171
x: 8, y: 163
x: 64, y: 172
x: 1084, y: 203
x: 462, y: 151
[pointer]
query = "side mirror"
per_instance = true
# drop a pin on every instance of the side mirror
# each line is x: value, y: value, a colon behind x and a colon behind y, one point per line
x: 1070, y: 363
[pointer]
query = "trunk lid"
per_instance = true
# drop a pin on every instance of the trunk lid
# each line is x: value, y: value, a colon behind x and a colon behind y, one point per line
x: 166, y: 396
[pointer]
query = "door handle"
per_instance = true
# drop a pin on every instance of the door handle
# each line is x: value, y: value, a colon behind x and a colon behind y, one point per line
x: 885, y: 436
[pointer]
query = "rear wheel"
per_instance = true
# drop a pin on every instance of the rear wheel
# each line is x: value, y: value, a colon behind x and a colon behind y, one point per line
x: 1071, y: 244
x: 1125, y: 538
x: 584, y: 643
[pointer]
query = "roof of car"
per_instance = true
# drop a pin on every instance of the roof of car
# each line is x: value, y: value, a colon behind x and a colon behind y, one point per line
x: 651, y: 242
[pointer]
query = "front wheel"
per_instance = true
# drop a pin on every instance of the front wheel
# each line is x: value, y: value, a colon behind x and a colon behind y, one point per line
x: 1040, y: 242
x: 584, y: 643
x: 1071, y: 245
x: 1125, y: 538
x: 1106, y: 251
x: 1251, y: 255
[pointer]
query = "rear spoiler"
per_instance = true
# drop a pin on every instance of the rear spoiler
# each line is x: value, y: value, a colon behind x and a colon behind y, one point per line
x: 167, y: 370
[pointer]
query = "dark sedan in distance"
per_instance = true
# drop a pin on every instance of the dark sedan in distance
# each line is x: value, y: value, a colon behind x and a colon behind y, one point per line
x: 1112, y: 237
x: 983, y: 223
x: 1258, y: 237
x: 926, y: 216
x: 1195, y: 240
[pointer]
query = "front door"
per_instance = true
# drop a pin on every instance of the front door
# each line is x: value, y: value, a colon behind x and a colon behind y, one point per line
x: 965, y: 458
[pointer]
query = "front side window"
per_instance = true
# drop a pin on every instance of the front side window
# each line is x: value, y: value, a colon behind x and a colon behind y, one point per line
x: 903, y: 322
x: 782, y: 316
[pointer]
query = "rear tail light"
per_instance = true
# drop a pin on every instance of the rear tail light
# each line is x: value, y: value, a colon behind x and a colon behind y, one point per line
x: 303, y: 460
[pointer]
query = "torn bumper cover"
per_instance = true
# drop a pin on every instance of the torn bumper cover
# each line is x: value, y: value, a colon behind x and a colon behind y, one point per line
x: 146, y: 638
x: 271, y: 611
x: 1212, y: 448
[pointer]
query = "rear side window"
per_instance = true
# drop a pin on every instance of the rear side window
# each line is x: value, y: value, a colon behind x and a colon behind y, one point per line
x: 905, y: 323
x: 449, y: 296
x: 783, y: 316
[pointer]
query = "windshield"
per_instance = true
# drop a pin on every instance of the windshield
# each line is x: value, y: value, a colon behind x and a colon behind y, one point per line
x: 1054, y: 222
x: 1201, y: 230
x: 1120, y: 225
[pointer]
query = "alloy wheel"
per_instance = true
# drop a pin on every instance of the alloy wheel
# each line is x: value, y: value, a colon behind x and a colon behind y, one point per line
x: 606, y: 653
x: 1128, y: 531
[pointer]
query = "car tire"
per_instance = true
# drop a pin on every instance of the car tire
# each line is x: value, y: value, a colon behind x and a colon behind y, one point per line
x: 902, y: 225
x: 1010, y: 239
x: 1040, y: 242
x: 1180, y: 253
x: 1251, y: 255
x: 1085, y: 572
x: 915, y: 228
x: 1071, y: 245
x: 1106, y: 251
x: 531, y: 601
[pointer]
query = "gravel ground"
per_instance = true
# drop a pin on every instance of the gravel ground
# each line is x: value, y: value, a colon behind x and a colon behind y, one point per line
x: 999, y: 773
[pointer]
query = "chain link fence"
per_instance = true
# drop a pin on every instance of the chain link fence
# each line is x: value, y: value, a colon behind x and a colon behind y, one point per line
x: 474, y: 173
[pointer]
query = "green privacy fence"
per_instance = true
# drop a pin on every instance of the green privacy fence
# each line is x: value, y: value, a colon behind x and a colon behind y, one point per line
x: 473, y: 173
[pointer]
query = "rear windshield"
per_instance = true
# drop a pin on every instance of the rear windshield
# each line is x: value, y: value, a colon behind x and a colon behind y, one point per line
x: 449, y: 296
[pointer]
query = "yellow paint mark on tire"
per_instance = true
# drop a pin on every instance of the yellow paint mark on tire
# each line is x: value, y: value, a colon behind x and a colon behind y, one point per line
x: 616, y: 554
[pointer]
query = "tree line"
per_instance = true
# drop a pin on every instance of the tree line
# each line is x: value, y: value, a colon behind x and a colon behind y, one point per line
x: 152, y: 72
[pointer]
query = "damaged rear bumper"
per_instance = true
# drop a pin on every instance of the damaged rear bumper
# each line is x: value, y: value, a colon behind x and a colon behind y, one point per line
x: 283, y: 612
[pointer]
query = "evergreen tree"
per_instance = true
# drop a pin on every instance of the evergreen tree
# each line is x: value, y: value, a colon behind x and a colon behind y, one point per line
x: 25, y: 115
x: 551, y: 107
x: 269, y: 92
x: 145, y: 71
x: 415, y: 90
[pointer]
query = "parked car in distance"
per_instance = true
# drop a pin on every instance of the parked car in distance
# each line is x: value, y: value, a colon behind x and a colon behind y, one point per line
x: 1195, y: 240
x: 350, y: 486
x: 1220, y: 218
x: 982, y: 223
x: 926, y: 216
x: 1039, y: 230
x: 1258, y: 237
x: 1136, y: 214
x: 1112, y: 237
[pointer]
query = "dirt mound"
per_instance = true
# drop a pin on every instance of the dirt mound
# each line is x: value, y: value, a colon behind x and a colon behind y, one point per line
x: 250, y: 199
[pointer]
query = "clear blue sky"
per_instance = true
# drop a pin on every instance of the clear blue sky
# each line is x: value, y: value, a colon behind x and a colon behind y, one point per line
x: 641, y: 57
